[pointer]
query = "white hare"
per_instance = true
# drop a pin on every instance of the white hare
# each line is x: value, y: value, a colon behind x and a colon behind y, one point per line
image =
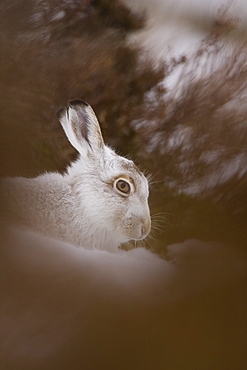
x: 101, y: 201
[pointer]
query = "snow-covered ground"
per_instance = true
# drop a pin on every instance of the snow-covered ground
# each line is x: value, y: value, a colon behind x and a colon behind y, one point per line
x: 64, y: 307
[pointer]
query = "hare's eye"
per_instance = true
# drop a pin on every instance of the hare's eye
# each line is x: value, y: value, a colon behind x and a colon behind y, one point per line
x: 123, y: 186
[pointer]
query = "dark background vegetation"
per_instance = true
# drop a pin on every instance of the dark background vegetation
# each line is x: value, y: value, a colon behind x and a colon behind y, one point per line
x: 52, y: 52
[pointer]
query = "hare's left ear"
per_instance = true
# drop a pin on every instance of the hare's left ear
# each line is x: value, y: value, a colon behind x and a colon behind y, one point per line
x: 81, y: 126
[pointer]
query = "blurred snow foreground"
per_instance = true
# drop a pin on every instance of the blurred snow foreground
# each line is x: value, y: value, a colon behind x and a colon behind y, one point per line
x: 64, y: 307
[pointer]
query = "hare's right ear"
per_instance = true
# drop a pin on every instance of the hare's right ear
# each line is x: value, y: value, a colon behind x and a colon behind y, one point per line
x: 81, y: 126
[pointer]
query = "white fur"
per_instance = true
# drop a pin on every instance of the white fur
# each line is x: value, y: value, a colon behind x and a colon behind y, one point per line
x: 83, y: 206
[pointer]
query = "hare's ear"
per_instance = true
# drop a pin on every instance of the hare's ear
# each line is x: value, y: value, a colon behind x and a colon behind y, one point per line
x: 81, y: 127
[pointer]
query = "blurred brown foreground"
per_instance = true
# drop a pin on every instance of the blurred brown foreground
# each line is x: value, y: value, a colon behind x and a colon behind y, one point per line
x: 64, y: 307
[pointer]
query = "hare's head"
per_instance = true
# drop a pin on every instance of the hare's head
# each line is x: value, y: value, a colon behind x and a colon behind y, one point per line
x: 112, y: 192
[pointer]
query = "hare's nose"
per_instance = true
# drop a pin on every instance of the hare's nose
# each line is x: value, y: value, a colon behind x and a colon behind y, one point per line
x: 146, y: 227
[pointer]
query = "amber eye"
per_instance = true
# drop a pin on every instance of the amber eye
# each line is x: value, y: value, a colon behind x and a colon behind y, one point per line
x: 123, y: 186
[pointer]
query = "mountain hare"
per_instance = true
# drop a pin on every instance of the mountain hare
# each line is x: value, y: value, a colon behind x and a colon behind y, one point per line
x: 102, y: 200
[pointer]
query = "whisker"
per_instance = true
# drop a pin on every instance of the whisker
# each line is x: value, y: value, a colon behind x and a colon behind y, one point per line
x: 155, y: 182
x: 157, y: 228
x: 160, y: 218
x: 151, y: 237
x: 151, y: 176
x: 162, y: 222
x: 146, y: 242
x: 163, y: 213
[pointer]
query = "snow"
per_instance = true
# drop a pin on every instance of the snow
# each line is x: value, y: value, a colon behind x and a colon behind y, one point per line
x: 62, y: 307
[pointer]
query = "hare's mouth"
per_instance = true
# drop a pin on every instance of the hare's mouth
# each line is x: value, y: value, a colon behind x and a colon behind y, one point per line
x: 142, y: 236
x: 143, y: 232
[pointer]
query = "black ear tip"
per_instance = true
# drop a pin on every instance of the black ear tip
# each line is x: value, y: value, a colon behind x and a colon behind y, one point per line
x: 60, y: 112
x: 76, y: 102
